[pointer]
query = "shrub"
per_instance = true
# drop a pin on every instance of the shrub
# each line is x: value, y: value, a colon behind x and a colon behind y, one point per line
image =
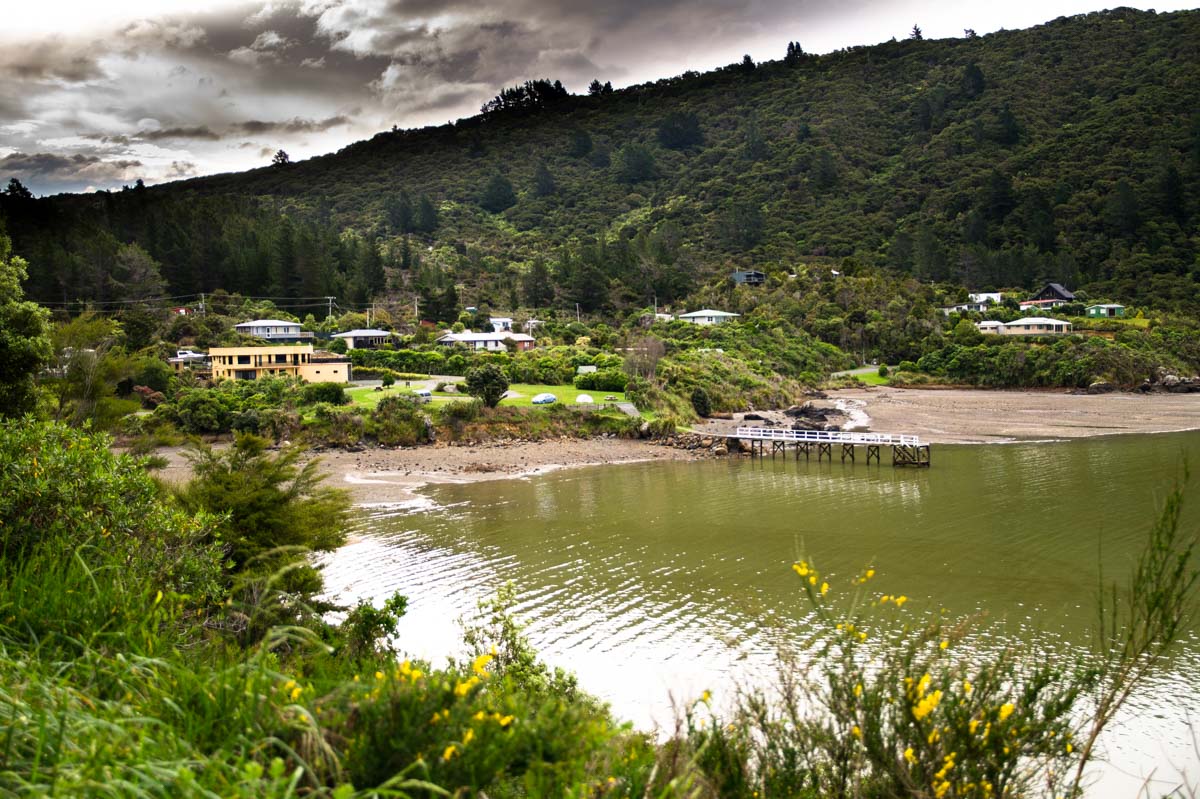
x: 701, y: 402
x: 883, y: 370
x: 487, y: 383
x: 332, y: 393
x: 461, y: 410
x: 397, y: 421
x: 602, y: 380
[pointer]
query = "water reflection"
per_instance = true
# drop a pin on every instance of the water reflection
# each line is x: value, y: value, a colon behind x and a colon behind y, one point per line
x: 649, y: 579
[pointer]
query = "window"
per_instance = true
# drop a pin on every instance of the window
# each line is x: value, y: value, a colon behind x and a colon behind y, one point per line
x: 243, y: 360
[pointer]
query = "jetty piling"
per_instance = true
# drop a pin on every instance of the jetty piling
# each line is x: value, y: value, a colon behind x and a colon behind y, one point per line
x: 906, y: 450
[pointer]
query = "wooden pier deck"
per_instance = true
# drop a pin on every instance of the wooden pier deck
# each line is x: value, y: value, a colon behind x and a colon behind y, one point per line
x: 906, y: 450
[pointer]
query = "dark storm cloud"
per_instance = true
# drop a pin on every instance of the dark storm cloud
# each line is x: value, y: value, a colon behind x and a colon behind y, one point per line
x: 50, y: 59
x: 202, y: 132
x: 296, y: 125
x: 49, y: 170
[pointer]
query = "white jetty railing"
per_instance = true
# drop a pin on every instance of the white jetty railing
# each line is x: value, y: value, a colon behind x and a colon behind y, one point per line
x: 825, y: 436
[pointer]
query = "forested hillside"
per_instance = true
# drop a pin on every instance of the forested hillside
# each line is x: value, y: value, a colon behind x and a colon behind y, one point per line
x: 1068, y: 152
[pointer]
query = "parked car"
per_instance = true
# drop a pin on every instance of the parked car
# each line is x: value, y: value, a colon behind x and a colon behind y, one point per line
x: 423, y: 395
x: 544, y: 399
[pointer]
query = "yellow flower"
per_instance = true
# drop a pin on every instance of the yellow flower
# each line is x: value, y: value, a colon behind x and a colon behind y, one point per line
x: 909, y: 756
x: 974, y: 725
x: 944, y: 644
x: 296, y: 693
x: 800, y: 568
x: 1006, y: 710
x: 858, y: 689
x: 933, y: 737
x: 870, y: 573
x: 856, y: 732
x: 926, y: 705
x: 469, y: 736
x: 504, y: 721
x: 449, y: 752
x: 379, y: 675
x: 480, y: 665
x: 967, y: 686
x: 480, y: 716
x: 464, y: 686
x: 900, y: 600
x: 706, y: 696
x: 824, y: 589
x: 812, y: 579
x: 1070, y: 749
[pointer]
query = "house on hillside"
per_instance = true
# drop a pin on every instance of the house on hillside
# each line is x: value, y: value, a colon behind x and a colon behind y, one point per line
x: 288, y: 360
x: 273, y: 330
x: 364, y: 339
x: 1106, y: 311
x: 1054, y: 291
x: 501, y: 324
x: 990, y: 326
x: 1036, y: 326
x: 993, y: 297
x: 487, y: 342
x: 708, y: 316
x: 1037, y: 305
x: 749, y: 277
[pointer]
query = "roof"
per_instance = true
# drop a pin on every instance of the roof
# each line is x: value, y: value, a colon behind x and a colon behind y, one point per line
x: 989, y: 323
x: 1106, y: 305
x: 500, y: 318
x: 707, y: 312
x: 749, y: 272
x: 1040, y: 302
x: 1058, y: 287
x: 1038, y: 320
x: 502, y: 336
x: 267, y: 323
x: 362, y: 333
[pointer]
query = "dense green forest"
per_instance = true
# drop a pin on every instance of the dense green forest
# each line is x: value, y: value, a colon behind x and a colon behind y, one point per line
x: 1070, y: 151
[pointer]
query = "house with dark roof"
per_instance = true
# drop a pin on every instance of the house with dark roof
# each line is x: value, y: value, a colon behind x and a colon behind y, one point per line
x: 1054, y: 291
x: 749, y: 277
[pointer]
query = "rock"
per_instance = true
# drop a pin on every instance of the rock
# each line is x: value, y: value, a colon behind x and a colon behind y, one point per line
x: 450, y: 388
x: 753, y: 417
x: 644, y: 430
x: 1146, y: 387
x: 1101, y: 387
x: 706, y: 443
x: 1169, y: 380
x: 720, y: 449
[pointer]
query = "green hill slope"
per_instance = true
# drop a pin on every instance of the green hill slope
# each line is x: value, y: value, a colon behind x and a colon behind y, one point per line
x: 1070, y: 151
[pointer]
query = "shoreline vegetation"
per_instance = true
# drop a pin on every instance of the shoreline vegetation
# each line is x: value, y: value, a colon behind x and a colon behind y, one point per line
x: 173, y: 616
x: 378, y: 475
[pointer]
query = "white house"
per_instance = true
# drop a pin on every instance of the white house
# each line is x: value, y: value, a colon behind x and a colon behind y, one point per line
x: 986, y: 296
x: 501, y: 324
x: 990, y: 326
x: 1037, y: 305
x: 707, y: 316
x: 364, y: 339
x: 273, y: 330
x: 1036, y: 326
x: 489, y: 342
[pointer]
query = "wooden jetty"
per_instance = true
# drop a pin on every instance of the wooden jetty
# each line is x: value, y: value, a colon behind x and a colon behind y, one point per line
x: 906, y: 450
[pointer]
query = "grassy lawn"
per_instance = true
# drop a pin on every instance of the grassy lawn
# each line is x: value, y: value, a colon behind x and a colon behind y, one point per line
x: 873, y: 379
x: 566, y: 394
x: 367, y: 397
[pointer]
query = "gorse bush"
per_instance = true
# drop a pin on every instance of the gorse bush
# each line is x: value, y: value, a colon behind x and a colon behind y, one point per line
x: 399, y: 421
x: 332, y: 393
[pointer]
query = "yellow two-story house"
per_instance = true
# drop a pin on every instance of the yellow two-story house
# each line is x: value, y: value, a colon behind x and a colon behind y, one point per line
x: 289, y: 360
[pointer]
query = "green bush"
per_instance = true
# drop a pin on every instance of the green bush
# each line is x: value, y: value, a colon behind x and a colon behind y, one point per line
x: 883, y: 370
x: 701, y: 403
x: 399, y: 421
x: 487, y: 383
x: 602, y: 380
x: 331, y: 393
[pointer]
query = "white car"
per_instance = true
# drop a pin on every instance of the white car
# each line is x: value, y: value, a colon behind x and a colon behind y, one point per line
x: 544, y: 399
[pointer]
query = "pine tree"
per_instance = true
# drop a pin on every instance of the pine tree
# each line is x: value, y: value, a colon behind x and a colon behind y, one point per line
x: 756, y: 146
x: 400, y: 213
x: 543, y: 181
x: 426, y: 218
x: 536, y: 285
x: 497, y: 194
x: 972, y: 80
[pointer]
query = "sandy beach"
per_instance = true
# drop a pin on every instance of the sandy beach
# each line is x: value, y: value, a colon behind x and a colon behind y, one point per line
x: 965, y: 416
x: 379, y: 475
x: 948, y: 416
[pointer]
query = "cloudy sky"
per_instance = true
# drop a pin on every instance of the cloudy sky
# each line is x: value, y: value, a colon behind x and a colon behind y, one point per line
x: 97, y: 94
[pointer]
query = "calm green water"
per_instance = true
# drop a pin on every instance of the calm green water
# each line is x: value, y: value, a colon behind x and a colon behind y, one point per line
x: 664, y: 579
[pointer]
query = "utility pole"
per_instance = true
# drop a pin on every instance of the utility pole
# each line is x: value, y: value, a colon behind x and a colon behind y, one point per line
x: 576, y: 312
x: 329, y: 313
x: 203, y: 307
